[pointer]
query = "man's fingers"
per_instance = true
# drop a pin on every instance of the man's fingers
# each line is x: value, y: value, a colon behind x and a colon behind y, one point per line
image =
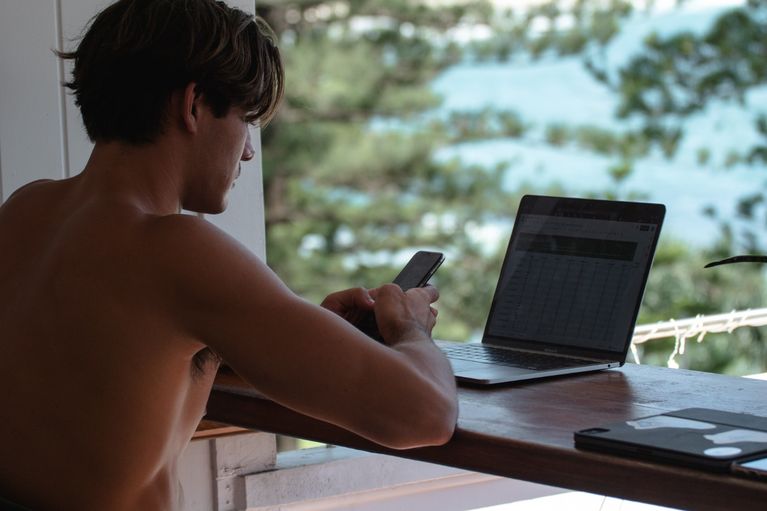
x: 429, y: 291
x: 364, y: 297
x: 348, y: 300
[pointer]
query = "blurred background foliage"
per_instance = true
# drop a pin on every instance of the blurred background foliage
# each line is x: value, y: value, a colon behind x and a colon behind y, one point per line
x: 353, y: 183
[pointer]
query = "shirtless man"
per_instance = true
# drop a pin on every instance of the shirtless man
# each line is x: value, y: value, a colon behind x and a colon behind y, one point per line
x: 115, y: 308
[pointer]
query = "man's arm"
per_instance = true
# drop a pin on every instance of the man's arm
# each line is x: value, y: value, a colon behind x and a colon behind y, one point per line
x: 304, y: 356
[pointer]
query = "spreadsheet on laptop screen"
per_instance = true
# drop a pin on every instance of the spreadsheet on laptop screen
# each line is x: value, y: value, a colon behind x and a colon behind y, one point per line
x: 572, y: 281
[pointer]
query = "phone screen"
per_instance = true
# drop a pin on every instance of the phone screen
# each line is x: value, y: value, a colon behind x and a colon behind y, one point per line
x: 419, y: 269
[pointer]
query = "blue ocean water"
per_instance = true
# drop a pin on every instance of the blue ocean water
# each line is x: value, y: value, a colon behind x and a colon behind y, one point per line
x: 562, y: 91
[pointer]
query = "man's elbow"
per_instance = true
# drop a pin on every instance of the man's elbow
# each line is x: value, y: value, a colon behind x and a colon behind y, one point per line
x: 429, y: 427
x: 440, y: 432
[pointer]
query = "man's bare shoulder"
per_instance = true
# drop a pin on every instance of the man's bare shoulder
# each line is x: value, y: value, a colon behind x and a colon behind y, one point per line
x: 207, y: 263
x: 26, y: 192
x: 32, y: 185
x: 190, y: 238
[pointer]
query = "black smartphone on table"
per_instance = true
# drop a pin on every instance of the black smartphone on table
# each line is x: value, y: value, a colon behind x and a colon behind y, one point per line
x: 416, y: 273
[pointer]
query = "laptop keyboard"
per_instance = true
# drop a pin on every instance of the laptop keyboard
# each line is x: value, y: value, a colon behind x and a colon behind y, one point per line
x: 513, y: 358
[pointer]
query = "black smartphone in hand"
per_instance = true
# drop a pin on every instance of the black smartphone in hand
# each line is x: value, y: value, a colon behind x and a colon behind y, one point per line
x: 419, y: 269
x: 416, y: 273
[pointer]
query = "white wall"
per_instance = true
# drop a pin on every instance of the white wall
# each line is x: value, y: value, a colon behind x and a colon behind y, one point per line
x: 31, y: 131
x: 41, y: 134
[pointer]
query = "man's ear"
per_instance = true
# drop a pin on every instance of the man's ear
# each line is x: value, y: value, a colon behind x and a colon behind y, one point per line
x: 190, y: 105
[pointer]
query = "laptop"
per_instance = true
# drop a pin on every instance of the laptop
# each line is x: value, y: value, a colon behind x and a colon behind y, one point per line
x: 569, y: 291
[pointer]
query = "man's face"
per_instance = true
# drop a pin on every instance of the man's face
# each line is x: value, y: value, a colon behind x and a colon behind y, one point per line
x: 223, y: 143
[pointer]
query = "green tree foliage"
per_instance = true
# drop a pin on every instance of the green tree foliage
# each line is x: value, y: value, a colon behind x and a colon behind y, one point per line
x: 558, y: 27
x: 353, y: 183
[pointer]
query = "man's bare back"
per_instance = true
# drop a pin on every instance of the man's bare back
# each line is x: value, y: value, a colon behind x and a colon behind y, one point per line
x: 115, y: 309
x: 105, y: 394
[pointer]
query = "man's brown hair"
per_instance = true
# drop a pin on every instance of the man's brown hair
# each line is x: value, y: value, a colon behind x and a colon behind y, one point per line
x: 135, y: 53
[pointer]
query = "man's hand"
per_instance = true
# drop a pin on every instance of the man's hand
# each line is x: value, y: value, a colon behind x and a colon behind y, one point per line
x: 405, y: 315
x: 351, y: 304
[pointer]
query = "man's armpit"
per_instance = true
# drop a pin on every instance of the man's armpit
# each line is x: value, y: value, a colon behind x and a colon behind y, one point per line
x: 203, y: 361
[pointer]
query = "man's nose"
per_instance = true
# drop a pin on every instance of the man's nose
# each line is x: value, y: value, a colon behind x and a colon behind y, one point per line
x: 248, y: 152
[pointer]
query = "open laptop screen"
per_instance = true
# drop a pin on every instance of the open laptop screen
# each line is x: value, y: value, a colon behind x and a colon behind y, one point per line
x: 575, y: 272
